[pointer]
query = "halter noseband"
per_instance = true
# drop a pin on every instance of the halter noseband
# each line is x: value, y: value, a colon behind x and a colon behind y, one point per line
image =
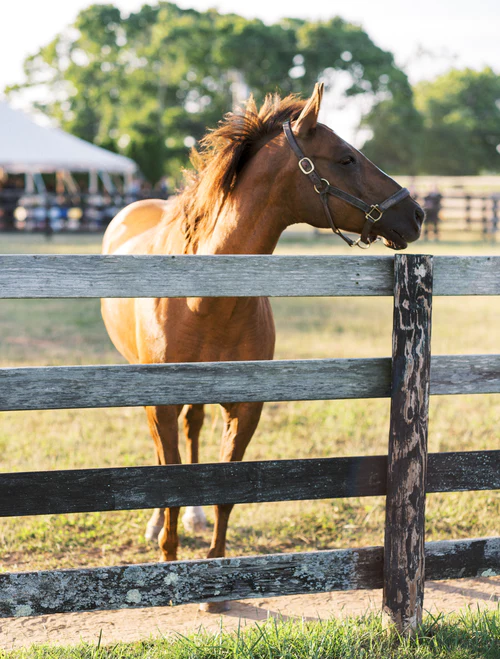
x: 372, y: 213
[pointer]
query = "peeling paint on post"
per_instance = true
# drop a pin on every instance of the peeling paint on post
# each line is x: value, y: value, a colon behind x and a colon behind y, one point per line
x: 404, y: 562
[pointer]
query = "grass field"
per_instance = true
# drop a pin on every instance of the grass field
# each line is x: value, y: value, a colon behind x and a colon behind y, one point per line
x: 470, y: 635
x: 52, y: 332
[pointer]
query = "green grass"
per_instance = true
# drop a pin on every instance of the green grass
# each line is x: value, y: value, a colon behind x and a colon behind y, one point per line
x: 470, y: 635
x: 53, y: 332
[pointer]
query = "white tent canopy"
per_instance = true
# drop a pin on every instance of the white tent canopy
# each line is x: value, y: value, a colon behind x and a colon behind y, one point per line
x: 26, y: 147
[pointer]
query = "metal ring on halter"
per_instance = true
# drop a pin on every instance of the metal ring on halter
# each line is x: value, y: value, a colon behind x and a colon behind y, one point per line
x: 327, y: 185
x: 361, y: 245
x: 358, y: 243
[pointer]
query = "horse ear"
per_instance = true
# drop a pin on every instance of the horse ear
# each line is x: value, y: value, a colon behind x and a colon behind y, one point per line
x: 309, y: 116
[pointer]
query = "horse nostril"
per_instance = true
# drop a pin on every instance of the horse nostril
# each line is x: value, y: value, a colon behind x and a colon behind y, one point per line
x: 419, y: 214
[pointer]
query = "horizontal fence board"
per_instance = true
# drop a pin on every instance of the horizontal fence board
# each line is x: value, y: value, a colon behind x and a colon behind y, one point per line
x: 461, y: 559
x: 466, y: 275
x: 210, y: 382
x: 86, y: 490
x: 465, y: 374
x: 463, y: 471
x: 182, y: 582
x: 129, y: 385
x: 129, y: 488
x: 184, y: 276
x: 89, y: 275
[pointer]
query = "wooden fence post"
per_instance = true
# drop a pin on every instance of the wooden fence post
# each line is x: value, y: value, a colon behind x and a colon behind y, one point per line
x: 404, y: 560
x: 494, y: 216
x: 485, y: 217
x: 468, y: 217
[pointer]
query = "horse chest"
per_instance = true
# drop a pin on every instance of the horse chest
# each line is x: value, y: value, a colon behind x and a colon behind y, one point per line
x: 171, y: 332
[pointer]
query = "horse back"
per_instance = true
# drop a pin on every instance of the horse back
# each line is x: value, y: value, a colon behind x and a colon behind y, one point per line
x: 132, y: 225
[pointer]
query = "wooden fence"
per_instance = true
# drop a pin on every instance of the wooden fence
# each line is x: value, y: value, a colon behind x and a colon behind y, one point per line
x: 405, y: 475
x: 468, y: 216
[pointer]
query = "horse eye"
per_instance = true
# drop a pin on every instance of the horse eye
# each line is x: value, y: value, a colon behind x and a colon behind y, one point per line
x: 348, y: 160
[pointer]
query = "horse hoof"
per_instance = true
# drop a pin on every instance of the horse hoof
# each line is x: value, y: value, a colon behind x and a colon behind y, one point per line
x: 215, y: 607
x: 194, y: 520
x: 152, y: 532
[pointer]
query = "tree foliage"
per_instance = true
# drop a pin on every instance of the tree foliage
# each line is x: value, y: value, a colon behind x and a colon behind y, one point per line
x: 149, y: 83
x: 452, y: 129
x: 396, y: 128
x: 461, y: 123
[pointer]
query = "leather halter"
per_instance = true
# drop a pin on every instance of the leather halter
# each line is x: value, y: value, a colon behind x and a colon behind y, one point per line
x: 372, y: 213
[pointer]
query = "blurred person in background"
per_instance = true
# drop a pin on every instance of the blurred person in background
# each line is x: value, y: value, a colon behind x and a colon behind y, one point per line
x: 432, y: 206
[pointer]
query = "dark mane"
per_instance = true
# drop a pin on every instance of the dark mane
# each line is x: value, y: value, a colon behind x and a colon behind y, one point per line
x: 223, y: 153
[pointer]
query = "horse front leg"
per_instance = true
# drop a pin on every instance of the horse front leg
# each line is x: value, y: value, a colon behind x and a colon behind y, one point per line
x: 162, y: 421
x: 194, y: 519
x: 240, y: 423
x: 156, y: 521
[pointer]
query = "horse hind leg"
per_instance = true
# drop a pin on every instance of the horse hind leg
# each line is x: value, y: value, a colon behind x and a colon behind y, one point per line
x: 240, y: 423
x: 162, y: 421
x: 194, y: 519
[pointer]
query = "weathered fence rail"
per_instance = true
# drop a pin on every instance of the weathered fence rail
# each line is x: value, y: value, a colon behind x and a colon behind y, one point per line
x: 65, y: 387
x: 89, y: 275
x: 133, y: 488
x: 406, y: 471
x: 184, y: 582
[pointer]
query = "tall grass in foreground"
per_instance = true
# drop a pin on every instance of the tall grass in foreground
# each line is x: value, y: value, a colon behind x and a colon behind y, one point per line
x: 469, y: 635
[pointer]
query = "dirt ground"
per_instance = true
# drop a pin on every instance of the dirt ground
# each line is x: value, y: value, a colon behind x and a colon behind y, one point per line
x: 137, y: 624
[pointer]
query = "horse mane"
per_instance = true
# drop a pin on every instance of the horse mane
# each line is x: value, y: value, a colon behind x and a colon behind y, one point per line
x: 221, y: 156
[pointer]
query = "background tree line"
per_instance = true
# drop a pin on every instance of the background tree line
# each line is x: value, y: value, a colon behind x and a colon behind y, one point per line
x: 149, y: 85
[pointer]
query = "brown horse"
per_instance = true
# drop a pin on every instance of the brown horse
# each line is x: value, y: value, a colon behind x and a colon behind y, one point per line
x: 247, y: 188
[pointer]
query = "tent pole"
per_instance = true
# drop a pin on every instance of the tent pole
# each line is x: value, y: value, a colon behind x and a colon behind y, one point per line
x: 93, y: 182
x: 29, y: 183
x: 128, y: 178
x: 60, y: 182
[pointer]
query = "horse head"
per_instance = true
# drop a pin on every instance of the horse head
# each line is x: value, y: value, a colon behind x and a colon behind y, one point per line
x: 333, y: 185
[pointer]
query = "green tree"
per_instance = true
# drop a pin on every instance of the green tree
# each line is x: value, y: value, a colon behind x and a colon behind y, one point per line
x: 461, y: 114
x: 396, y: 134
x: 150, y: 83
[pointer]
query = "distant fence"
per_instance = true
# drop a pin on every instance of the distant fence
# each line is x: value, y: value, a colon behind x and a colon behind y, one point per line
x: 404, y: 476
x: 471, y: 215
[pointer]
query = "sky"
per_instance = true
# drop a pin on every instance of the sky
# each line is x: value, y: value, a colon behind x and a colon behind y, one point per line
x: 427, y: 37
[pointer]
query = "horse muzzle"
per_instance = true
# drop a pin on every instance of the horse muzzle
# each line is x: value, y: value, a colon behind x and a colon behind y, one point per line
x: 400, y: 226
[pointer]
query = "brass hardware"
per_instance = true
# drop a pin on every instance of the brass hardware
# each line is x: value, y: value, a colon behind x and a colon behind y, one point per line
x: 369, y: 215
x: 327, y: 185
x: 358, y: 243
x: 309, y: 163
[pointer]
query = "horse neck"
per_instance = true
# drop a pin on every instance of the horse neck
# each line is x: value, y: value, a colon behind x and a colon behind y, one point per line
x: 249, y: 228
x: 251, y: 222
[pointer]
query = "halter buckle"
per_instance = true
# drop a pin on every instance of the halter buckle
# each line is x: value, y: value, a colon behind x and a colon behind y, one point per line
x: 310, y: 164
x: 374, y: 208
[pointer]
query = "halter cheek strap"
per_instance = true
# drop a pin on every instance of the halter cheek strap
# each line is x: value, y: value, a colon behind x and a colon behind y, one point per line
x: 372, y: 213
